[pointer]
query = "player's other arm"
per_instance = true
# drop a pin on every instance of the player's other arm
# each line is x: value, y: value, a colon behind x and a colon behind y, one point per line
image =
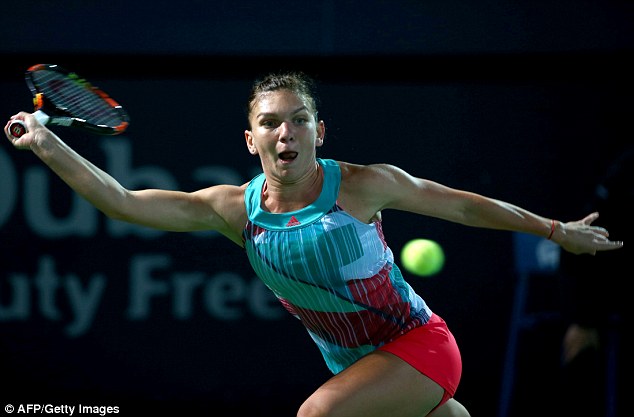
x: 400, y: 190
x: 390, y: 187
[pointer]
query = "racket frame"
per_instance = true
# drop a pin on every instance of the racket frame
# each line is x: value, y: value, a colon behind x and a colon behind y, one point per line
x: 48, y: 113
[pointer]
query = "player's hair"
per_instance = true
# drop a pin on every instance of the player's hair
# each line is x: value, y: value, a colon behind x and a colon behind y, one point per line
x: 296, y: 81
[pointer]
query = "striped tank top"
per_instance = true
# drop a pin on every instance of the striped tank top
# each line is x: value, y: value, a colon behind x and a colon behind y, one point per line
x: 331, y: 271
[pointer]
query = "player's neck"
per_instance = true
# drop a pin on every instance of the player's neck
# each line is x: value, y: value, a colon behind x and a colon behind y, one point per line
x: 278, y: 197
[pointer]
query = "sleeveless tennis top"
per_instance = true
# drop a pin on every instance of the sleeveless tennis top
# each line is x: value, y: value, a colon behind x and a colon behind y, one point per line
x: 331, y: 271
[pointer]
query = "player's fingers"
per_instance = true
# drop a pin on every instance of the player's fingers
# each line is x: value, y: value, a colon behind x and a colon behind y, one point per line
x: 590, y: 218
x: 612, y: 244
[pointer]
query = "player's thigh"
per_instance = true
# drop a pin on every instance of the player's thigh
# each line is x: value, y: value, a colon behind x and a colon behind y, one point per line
x: 379, y: 384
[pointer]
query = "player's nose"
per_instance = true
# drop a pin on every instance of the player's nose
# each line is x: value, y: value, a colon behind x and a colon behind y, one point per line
x: 285, y: 132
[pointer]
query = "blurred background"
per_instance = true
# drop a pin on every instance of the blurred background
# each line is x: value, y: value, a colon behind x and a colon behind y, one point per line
x: 527, y: 102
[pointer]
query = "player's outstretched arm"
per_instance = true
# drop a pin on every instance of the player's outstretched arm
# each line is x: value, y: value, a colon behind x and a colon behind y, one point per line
x: 161, y: 209
x: 390, y: 187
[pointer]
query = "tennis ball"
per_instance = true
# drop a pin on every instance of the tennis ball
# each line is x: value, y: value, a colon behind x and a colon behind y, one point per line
x: 422, y: 257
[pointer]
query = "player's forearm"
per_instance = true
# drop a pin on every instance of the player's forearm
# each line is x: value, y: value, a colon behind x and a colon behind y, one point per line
x: 495, y: 214
x: 92, y: 183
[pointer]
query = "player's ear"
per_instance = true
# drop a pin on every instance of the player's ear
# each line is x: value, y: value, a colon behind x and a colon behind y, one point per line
x: 248, y: 136
x: 321, y: 133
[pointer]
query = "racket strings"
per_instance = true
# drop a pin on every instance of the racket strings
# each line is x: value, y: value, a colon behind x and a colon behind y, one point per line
x: 78, y: 98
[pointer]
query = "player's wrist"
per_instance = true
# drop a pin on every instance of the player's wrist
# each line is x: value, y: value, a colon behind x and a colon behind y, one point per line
x: 556, y: 231
x: 45, y: 144
x: 553, y: 227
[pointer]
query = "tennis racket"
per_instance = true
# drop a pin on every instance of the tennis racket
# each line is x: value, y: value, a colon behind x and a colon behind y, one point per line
x: 62, y: 98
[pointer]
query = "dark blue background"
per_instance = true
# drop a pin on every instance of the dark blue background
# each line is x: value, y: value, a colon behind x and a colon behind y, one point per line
x: 522, y: 102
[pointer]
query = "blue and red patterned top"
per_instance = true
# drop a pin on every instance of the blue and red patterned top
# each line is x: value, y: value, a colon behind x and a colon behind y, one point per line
x: 331, y: 271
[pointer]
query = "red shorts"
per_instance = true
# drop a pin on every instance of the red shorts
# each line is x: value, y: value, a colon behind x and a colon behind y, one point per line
x: 433, y: 351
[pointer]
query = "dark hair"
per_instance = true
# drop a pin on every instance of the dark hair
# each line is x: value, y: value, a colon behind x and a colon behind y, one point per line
x: 295, y: 81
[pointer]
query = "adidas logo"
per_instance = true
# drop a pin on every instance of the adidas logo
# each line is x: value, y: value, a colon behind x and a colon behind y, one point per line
x: 292, y: 222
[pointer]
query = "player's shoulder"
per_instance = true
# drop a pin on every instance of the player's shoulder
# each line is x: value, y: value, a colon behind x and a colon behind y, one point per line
x: 224, y: 194
x: 367, y: 171
x: 358, y: 173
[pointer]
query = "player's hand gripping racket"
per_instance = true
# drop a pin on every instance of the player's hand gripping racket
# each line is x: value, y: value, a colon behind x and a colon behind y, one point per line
x: 62, y: 98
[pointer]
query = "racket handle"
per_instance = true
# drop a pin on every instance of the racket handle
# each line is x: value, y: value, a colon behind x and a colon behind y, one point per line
x: 17, y: 128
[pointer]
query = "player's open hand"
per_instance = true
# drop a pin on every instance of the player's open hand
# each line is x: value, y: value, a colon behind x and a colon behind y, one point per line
x: 582, y: 237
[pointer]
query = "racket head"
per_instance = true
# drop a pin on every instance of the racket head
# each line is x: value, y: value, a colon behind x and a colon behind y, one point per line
x: 70, y: 100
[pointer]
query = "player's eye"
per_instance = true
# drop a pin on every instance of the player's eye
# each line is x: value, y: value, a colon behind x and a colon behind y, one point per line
x: 269, y: 123
x: 300, y: 120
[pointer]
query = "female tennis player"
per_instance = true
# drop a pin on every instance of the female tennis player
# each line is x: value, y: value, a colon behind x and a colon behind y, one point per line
x: 311, y: 229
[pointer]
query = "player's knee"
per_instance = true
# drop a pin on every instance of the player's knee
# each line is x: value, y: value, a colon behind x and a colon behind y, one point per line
x: 313, y: 408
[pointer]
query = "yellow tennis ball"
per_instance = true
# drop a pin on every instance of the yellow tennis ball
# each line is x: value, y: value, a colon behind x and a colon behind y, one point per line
x: 422, y: 257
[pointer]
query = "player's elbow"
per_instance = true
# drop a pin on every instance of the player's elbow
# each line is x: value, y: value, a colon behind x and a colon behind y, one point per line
x: 117, y: 206
x: 115, y: 213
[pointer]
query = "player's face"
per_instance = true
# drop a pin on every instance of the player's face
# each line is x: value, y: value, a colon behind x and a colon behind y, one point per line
x: 284, y: 134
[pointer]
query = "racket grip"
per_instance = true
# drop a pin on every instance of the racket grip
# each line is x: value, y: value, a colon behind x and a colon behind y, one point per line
x: 17, y: 128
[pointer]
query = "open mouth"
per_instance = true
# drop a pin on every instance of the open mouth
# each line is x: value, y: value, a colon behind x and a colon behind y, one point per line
x: 287, y: 156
